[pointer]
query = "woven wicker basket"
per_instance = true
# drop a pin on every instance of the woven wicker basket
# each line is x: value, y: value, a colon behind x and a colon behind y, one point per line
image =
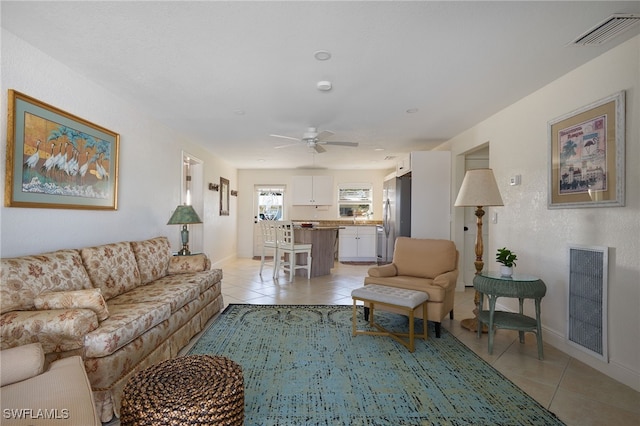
x: 188, y: 390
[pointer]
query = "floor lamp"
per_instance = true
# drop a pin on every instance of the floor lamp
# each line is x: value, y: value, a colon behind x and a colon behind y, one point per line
x: 479, y: 189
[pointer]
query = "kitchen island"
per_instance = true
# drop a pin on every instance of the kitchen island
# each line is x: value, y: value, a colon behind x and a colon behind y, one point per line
x: 323, y: 240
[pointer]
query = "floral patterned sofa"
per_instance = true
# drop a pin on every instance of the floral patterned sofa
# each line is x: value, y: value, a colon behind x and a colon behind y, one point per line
x: 122, y: 307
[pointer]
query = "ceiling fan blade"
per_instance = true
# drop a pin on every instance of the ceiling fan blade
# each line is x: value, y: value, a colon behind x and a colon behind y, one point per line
x: 286, y: 137
x: 324, y: 134
x: 319, y: 149
x: 354, y: 144
x: 287, y: 145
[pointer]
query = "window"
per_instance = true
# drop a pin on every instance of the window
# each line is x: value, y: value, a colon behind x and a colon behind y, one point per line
x: 270, y: 202
x: 355, y: 199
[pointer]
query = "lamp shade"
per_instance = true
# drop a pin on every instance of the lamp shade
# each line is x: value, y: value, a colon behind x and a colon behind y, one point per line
x: 479, y: 188
x: 184, y: 215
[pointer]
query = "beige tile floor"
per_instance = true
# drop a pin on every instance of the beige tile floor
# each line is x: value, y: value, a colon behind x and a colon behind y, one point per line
x: 575, y: 392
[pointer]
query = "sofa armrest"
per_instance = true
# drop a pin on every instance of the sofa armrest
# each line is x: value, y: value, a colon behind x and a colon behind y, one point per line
x: 446, y: 280
x: 192, y: 263
x: 388, y: 270
x: 21, y: 363
x: 58, y: 330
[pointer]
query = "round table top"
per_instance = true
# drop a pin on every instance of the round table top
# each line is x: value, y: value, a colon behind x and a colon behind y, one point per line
x: 518, y: 285
x: 496, y: 275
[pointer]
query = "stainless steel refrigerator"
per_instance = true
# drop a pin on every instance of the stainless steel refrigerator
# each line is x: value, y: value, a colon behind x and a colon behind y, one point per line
x: 396, y: 216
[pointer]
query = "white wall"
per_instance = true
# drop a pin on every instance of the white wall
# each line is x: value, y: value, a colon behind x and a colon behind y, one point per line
x: 519, y: 145
x: 150, y: 167
x: 249, y: 178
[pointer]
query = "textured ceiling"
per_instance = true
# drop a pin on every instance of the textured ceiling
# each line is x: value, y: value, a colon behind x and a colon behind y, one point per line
x: 229, y: 74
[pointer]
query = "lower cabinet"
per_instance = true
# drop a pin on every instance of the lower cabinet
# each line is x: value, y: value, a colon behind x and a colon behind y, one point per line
x: 357, y: 244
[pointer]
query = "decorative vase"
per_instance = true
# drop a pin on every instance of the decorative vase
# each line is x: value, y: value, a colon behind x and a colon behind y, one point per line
x: 506, y: 271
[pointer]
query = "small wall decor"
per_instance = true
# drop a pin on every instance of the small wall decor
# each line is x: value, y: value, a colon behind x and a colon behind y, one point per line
x: 224, y: 197
x: 213, y: 186
x: 58, y: 160
x: 587, y: 156
x: 234, y: 193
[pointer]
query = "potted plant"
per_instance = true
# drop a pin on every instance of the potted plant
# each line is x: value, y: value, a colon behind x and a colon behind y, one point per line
x: 508, y: 260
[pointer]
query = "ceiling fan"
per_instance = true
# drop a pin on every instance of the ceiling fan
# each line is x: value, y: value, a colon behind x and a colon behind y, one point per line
x: 314, y: 140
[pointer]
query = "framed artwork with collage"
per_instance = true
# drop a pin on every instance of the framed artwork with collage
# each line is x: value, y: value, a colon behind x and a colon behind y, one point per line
x: 587, y: 156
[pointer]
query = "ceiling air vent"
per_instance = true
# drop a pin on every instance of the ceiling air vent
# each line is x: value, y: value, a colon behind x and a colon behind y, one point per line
x: 611, y: 27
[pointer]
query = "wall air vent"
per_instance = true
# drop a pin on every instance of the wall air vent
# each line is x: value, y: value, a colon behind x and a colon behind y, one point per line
x: 587, y: 310
x: 611, y: 27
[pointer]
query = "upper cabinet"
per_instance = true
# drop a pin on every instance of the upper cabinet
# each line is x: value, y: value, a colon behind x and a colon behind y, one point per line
x: 404, y: 166
x: 313, y: 190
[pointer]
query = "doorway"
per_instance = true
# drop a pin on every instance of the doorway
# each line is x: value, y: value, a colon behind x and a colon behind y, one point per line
x: 268, y: 204
x: 477, y: 159
x: 192, y: 194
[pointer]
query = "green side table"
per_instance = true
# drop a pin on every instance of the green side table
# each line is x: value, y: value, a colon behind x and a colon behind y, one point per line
x: 520, y: 286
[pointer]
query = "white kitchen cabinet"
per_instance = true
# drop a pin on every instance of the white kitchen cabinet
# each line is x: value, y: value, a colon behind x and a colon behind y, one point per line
x: 312, y: 191
x: 431, y: 194
x: 357, y: 243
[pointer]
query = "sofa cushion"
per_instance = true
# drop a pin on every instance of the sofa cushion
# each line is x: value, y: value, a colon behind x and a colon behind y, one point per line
x: 58, y: 330
x: 425, y: 258
x: 21, y: 363
x: 152, y: 257
x: 193, y: 263
x: 23, y: 278
x: 112, y: 268
x: 88, y: 299
x: 126, y: 323
x: 172, y: 290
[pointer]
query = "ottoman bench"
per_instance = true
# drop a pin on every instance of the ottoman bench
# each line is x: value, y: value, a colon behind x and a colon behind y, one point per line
x: 406, y: 300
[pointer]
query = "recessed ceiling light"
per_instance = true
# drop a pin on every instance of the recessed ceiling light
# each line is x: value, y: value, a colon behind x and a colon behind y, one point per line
x: 378, y: 149
x: 322, y: 55
x: 412, y: 110
x: 238, y: 111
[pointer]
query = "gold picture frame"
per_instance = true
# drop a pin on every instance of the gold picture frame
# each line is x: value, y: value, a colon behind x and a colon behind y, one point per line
x: 586, y: 149
x: 57, y: 160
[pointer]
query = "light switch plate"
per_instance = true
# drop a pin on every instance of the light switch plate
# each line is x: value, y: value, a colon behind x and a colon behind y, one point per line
x: 514, y: 180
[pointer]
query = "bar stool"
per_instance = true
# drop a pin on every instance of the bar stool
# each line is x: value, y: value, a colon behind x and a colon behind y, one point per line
x: 287, y: 246
x: 269, y: 242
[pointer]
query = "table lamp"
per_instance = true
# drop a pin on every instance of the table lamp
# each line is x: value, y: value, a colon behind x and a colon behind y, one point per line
x: 479, y: 189
x: 184, y: 215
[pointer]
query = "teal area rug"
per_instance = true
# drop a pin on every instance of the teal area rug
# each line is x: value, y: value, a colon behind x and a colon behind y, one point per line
x: 302, y: 366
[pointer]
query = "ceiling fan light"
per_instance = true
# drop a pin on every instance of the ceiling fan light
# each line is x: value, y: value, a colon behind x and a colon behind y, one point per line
x: 324, y: 85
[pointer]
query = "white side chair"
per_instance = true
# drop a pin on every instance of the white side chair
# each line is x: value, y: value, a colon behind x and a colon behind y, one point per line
x: 269, y: 242
x: 287, y: 246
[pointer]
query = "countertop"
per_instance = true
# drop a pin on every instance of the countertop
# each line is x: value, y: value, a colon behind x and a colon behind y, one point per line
x: 338, y: 223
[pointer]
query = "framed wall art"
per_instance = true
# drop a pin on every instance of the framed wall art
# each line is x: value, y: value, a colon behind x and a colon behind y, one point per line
x: 224, y: 197
x: 58, y: 160
x: 587, y: 156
